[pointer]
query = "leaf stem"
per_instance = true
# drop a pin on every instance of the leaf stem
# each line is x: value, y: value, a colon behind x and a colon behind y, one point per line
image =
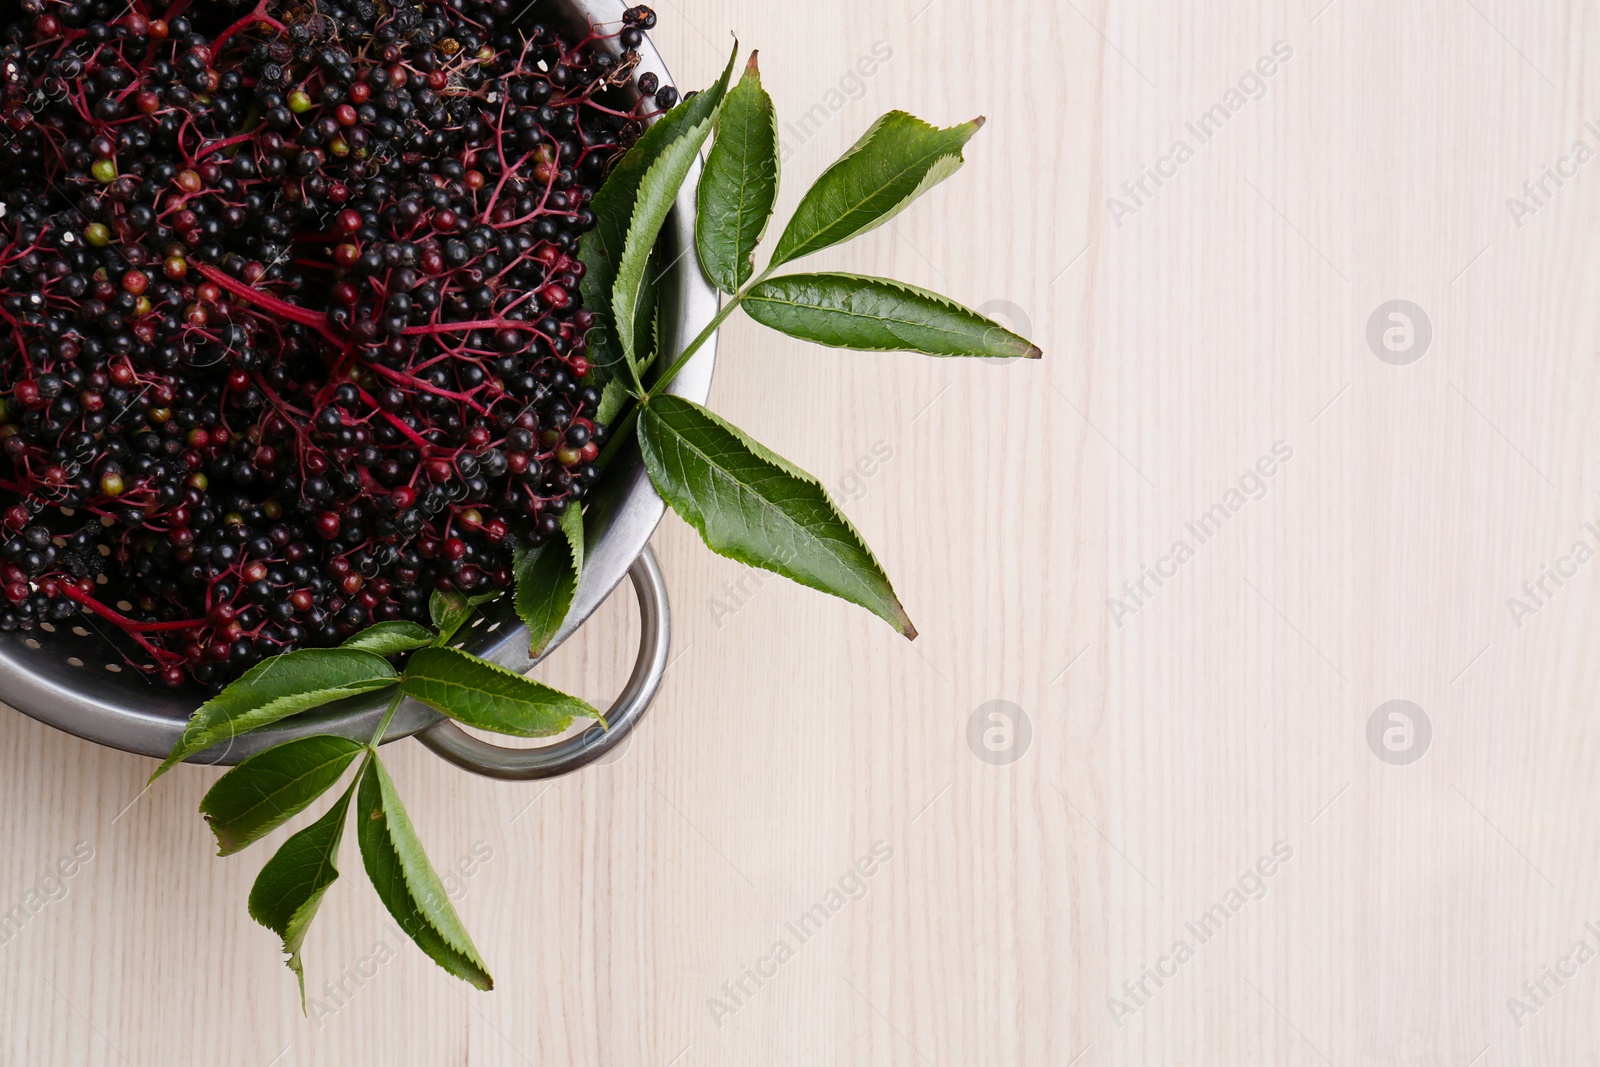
x: 671, y: 373
x: 621, y: 431
x: 388, y: 717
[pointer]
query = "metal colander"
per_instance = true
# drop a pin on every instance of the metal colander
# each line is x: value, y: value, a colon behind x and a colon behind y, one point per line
x: 72, y: 675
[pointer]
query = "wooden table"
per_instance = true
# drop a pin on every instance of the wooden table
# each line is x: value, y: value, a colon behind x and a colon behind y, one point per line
x: 1357, y: 521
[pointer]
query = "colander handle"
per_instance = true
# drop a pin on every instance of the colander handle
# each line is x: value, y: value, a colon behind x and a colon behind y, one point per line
x: 550, y: 761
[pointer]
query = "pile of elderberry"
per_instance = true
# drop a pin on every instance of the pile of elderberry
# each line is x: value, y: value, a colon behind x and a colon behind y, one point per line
x: 290, y: 332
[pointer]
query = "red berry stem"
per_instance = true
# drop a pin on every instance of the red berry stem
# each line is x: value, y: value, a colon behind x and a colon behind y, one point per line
x: 267, y: 301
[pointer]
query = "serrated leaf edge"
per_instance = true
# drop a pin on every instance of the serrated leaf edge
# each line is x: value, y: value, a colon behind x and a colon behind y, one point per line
x: 1031, y: 350
x: 481, y: 662
x: 262, y: 831
x: 386, y: 790
x: 744, y: 261
x: 939, y: 170
x: 425, y: 637
x: 299, y: 922
x: 636, y: 250
x: 902, y: 621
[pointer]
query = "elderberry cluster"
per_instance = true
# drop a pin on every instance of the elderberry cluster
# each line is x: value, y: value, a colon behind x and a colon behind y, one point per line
x: 290, y: 327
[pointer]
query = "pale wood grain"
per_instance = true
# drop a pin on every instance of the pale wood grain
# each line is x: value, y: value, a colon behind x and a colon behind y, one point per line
x: 1227, y: 714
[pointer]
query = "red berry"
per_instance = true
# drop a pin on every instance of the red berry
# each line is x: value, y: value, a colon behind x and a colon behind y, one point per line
x: 328, y: 525
x: 404, y: 497
x: 349, y: 220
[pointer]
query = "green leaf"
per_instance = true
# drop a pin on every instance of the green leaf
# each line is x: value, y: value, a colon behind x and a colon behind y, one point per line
x: 272, y: 787
x: 875, y: 314
x: 612, y: 399
x: 758, y: 508
x: 406, y: 882
x: 450, y: 611
x: 482, y: 694
x: 657, y: 193
x: 389, y: 638
x: 289, y: 888
x: 601, y: 248
x: 275, y: 689
x: 739, y: 185
x: 547, y: 579
x: 897, y: 160
x: 648, y: 305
